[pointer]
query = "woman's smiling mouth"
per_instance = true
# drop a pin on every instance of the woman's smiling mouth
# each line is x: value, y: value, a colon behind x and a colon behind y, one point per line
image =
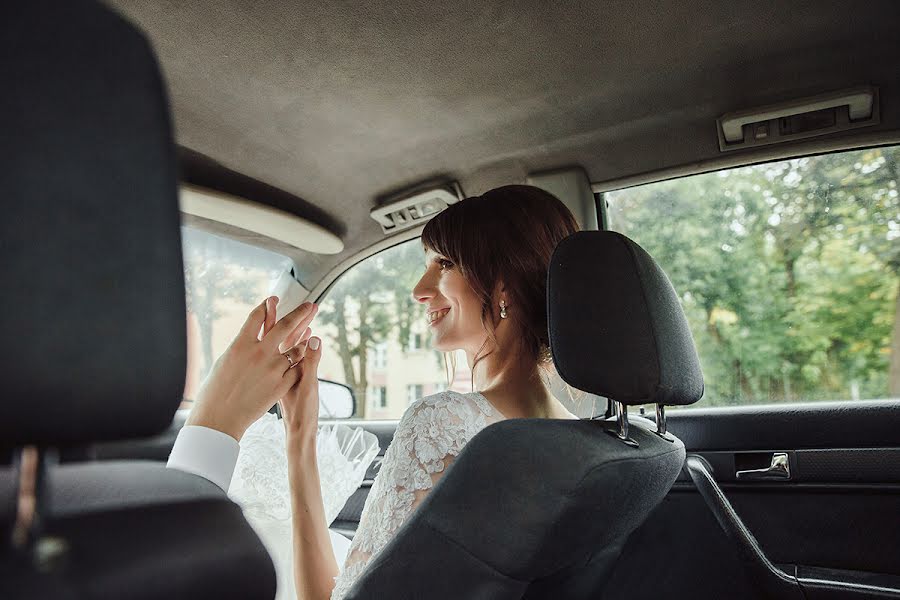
x: 437, y: 315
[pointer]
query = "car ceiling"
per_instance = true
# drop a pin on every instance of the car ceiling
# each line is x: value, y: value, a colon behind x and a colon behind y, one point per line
x: 321, y: 108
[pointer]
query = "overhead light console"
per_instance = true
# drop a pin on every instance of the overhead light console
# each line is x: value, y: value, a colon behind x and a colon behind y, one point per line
x: 414, y: 207
x: 803, y: 118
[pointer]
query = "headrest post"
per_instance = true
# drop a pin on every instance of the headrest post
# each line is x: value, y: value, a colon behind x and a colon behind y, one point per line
x: 621, y: 431
x: 27, y: 536
x: 661, y: 423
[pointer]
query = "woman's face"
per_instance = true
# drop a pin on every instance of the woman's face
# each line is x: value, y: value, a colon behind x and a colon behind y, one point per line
x: 452, y: 308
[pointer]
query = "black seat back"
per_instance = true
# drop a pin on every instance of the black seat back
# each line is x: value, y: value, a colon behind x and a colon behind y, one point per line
x: 536, y: 508
x: 93, y: 306
x: 93, y: 315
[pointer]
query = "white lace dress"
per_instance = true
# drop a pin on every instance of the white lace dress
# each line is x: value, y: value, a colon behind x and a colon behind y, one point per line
x: 428, y: 439
x: 260, y: 485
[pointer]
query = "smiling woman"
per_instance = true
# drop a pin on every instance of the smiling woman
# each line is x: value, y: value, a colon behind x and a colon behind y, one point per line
x: 526, y: 222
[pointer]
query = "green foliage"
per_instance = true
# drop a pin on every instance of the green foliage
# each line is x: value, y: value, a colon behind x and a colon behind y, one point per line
x: 788, y: 272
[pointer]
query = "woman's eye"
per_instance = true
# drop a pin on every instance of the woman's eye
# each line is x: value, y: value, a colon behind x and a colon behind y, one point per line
x: 444, y: 264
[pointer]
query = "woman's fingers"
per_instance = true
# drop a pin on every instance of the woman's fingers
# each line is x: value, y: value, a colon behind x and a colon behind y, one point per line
x: 255, y: 320
x: 293, y: 370
x: 271, y: 313
x: 300, y: 402
x: 294, y: 355
x: 296, y: 337
x: 311, y: 358
x: 296, y: 320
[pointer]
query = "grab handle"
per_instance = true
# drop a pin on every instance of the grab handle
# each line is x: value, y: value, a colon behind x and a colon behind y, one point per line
x: 780, y: 468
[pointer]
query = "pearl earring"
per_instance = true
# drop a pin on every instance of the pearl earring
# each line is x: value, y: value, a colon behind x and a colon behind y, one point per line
x: 503, y: 314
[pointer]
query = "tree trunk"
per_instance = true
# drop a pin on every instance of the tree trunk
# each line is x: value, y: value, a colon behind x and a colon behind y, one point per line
x: 347, y: 355
x: 791, y: 274
x: 894, y: 373
x: 362, y: 384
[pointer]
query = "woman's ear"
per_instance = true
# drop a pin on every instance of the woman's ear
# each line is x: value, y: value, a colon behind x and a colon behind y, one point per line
x: 500, y: 292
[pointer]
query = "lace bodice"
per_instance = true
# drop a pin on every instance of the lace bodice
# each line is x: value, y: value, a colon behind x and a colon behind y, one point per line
x: 428, y: 439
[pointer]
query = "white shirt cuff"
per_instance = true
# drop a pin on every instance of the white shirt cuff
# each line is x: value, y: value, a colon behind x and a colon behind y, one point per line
x: 206, y: 452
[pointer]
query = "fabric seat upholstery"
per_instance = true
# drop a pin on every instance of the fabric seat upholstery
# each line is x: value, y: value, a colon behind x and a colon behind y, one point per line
x: 93, y: 316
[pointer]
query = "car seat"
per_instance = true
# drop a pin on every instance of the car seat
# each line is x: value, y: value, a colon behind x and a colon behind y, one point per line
x: 93, y: 318
x: 541, y: 508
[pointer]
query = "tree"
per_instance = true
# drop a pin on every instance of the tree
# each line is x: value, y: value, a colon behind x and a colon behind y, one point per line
x: 369, y: 304
x: 781, y: 270
x: 215, y: 273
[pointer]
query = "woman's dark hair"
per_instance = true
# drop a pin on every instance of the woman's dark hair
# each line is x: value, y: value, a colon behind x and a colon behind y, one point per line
x: 506, y: 235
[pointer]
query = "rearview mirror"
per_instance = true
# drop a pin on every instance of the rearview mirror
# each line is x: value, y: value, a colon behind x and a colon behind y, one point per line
x: 336, y: 400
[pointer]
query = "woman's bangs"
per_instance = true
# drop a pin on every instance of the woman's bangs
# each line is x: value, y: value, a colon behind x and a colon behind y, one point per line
x: 442, y: 236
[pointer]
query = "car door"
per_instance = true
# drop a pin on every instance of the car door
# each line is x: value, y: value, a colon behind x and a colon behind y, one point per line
x: 788, y: 273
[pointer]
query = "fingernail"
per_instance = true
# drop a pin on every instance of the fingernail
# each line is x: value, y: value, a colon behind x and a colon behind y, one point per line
x: 314, y: 343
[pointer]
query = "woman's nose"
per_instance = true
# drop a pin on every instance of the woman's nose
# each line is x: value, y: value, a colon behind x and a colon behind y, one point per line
x: 424, y: 290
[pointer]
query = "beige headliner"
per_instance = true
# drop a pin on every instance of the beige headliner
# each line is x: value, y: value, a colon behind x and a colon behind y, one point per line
x: 319, y: 108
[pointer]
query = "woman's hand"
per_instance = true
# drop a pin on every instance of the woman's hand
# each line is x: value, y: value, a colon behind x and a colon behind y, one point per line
x: 254, y: 372
x: 314, y: 564
x: 300, y: 405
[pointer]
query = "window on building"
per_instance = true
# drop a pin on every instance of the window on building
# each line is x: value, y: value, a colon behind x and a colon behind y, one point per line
x: 378, y: 396
x: 414, y: 391
x: 415, y: 341
x: 788, y: 273
x: 379, y: 356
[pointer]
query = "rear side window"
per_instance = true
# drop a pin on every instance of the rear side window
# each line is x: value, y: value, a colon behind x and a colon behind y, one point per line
x: 376, y: 339
x: 224, y: 280
x: 788, y: 273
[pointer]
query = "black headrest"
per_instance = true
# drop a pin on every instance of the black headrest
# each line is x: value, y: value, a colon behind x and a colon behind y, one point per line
x: 616, y: 327
x: 92, y: 310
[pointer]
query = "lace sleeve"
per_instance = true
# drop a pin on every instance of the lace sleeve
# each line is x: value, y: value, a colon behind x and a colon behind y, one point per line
x: 428, y: 439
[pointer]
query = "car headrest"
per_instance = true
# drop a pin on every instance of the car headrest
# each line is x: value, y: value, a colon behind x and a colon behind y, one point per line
x: 616, y: 327
x: 93, y: 307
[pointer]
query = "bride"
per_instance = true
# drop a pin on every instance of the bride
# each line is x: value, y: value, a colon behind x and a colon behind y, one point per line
x: 484, y: 291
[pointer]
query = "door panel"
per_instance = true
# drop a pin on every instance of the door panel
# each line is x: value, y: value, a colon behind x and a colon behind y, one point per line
x: 837, y: 516
x: 857, y: 424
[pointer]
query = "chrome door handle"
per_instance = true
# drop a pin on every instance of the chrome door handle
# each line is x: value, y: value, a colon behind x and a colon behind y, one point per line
x: 779, y: 469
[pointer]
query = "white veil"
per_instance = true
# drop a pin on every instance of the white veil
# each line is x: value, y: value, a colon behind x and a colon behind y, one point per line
x: 260, y: 485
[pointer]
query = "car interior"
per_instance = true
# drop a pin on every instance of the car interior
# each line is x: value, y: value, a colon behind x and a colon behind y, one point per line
x: 726, y: 325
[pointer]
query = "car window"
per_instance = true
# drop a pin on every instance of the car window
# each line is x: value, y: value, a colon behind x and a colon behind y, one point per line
x: 376, y: 339
x: 788, y: 273
x: 224, y: 280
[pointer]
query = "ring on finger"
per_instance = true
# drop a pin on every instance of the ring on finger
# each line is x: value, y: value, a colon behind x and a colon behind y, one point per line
x: 294, y: 355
